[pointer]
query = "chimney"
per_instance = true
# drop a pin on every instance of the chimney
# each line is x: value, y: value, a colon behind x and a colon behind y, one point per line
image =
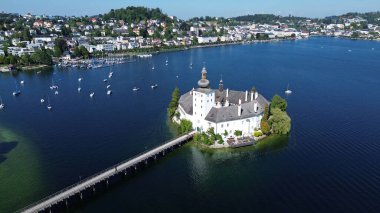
x: 227, y: 93
x: 256, y: 95
x: 251, y: 96
x: 239, y: 108
x: 191, y: 93
x: 246, y: 95
x: 255, y: 107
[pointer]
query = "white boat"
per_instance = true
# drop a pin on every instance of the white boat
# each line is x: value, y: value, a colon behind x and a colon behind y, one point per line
x: 154, y: 86
x: 288, y: 91
x: 108, y: 86
x: 56, y: 92
x: 109, y: 92
x: 135, y: 88
x: 153, y: 67
x: 80, y: 79
x: 2, y: 106
x: 92, y: 95
x: 49, y: 107
x: 22, y: 82
x: 16, y: 93
x: 105, y: 80
x: 52, y: 85
x: 110, y: 74
x: 42, y: 100
x: 79, y: 89
x: 167, y: 61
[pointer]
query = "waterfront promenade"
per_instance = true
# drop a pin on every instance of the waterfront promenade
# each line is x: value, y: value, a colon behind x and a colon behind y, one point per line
x: 92, y: 181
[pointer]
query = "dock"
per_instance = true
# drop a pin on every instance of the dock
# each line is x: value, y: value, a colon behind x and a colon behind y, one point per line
x: 91, y: 182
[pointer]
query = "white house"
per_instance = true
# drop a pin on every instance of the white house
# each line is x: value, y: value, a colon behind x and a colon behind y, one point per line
x: 222, y: 109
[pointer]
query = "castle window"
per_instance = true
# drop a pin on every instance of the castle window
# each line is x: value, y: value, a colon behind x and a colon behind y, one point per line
x: 221, y: 125
x: 227, y: 124
x: 201, y: 106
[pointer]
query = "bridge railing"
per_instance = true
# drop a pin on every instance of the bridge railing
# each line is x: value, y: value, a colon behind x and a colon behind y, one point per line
x: 99, y: 173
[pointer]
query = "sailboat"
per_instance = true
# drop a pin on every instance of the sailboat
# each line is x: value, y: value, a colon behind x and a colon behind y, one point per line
x: 288, y: 91
x: 92, y: 94
x: 49, y: 107
x: 109, y: 92
x: 2, y: 106
x: 17, y: 92
x: 110, y: 74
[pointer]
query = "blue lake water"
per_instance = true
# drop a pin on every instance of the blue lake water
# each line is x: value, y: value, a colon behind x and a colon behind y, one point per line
x: 329, y: 163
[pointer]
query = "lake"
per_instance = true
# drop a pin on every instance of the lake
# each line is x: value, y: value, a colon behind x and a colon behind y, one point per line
x: 329, y: 162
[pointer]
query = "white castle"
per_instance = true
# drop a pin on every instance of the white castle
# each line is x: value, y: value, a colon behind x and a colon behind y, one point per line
x: 224, y: 110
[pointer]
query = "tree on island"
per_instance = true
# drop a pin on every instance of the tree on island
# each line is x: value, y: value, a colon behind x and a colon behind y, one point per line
x: 173, y: 103
x: 278, y: 102
x: 280, y: 121
x: 185, y: 126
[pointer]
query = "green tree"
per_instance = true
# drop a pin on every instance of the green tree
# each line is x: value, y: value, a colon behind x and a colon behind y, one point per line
x: 266, y: 112
x: 265, y: 128
x: 84, y: 52
x: 185, y: 126
x: 60, y: 45
x: 280, y: 121
x: 278, y: 102
x: 173, y: 103
x: 26, y: 35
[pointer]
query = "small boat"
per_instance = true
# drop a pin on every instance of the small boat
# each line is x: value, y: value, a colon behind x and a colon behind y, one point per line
x: 153, y: 67
x: 22, y: 82
x: 2, y: 106
x: 167, y: 61
x: 177, y: 76
x: 92, y: 95
x: 108, y: 86
x: 105, y: 80
x: 109, y: 92
x: 49, y: 107
x: 349, y: 50
x: 56, y: 92
x: 80, y: 79
x: 17, y: 92
x: 38, y: 72
x: 79, y: 89
x: 154, y: 86
x: 288, y: 91
x: 135, y: 88
x: 42, y: 100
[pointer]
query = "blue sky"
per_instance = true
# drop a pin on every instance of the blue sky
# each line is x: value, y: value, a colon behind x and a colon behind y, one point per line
x: 190, y: 8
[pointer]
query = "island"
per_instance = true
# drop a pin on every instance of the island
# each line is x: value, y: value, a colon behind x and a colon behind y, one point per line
x: 228, y: 118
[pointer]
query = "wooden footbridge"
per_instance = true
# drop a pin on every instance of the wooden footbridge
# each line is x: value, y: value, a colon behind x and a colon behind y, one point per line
x: 62, y: 196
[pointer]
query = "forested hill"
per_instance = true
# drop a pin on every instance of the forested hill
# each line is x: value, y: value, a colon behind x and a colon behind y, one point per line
x: 136, y: 14
x: 371, y: 17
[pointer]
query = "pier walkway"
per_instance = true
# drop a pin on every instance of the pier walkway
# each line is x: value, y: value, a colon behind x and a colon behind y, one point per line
x: 61, y: 196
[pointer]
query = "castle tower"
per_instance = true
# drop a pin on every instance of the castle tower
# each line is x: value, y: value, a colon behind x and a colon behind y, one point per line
x: 204, y: 83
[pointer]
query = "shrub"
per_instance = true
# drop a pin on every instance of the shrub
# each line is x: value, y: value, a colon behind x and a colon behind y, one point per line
x: 238, y: 133
x: 257, y: 134
x: 225, y: 133
x: 219, y: 138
